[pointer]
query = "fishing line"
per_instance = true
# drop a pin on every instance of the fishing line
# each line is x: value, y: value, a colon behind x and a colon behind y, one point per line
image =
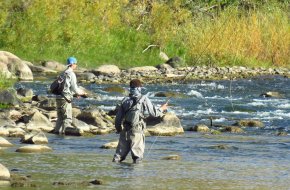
x: 147, y: 154
x: 190, y: 70
x: 156, y: 137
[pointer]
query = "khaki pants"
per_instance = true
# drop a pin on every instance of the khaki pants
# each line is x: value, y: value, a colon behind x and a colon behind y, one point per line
x: 64, y: 115
x: 130, y: 141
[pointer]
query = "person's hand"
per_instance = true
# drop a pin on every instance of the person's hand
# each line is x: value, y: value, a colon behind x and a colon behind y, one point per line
x: 164, y: 107
x: 84, y: 95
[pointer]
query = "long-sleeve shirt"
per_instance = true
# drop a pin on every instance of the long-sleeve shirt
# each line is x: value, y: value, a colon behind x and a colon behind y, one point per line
x: 126, y: 105
x: 70, y: 86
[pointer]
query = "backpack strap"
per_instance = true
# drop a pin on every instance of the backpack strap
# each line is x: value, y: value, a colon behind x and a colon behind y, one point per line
x: 131, y: 107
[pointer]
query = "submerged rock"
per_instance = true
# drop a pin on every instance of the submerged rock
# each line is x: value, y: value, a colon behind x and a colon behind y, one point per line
x: 171, y: 157
x: 223, y: 147
x: 110, y: 145
x: 116, y: 89
x: 34, y: 149
x: 21, y: 181
x: 78, y: 184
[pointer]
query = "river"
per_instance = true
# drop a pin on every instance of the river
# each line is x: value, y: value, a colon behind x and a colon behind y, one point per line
x: 256, y: 159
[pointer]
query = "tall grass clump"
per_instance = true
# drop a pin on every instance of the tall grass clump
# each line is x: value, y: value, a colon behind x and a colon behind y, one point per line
x: 252, y: 38
x: 6, y: 82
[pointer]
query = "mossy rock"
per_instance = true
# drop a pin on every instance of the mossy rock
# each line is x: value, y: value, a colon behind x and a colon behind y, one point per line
x: 21, y: 181
x: 215, y: 132
x: 115, y: 89
x: 232, y: 129
x: 250, y: 123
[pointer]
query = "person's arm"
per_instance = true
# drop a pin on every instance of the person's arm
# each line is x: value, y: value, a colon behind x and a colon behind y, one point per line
x: 74, y: 87
x: 119, y: 118
x: 152, y: 110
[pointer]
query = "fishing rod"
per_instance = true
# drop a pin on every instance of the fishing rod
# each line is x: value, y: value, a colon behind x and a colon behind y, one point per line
x: 190, y: 70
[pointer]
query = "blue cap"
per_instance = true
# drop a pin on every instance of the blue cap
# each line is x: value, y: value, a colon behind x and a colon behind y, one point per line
x: 71, y: 60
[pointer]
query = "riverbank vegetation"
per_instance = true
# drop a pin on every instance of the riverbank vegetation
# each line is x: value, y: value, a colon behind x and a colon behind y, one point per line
x: 131, y: 33
x: 6, y: 82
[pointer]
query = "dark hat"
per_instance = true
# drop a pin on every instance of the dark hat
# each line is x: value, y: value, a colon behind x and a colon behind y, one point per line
x: 135, y: 83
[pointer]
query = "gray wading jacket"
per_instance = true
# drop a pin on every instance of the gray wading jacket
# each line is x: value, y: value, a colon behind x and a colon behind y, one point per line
x: 70, y: 86
x: 127, y: 102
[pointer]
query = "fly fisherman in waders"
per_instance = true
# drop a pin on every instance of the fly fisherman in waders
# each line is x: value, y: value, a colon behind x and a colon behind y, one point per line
x: 131, y: 114
x: 64, y: 101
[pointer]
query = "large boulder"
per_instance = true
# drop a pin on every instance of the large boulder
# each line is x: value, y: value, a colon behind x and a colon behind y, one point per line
x: 9, y: 97
x: 4, y: 143
x: 38, y: 138
x: 79, y: 128
x: 4, y: 173
x: 168, y: 125
x: 26, y: 92
x: 4, y: 70
x: 16, y: 66
x: 54, y: 65
x: 34, y: 149
x: 38, y: 122
x: 107, y: 70
x: 15, y: 131
x: 48, y: 104
x: 96, y: 117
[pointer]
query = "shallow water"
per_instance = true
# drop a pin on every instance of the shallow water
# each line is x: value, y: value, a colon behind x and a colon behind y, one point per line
x: 257, y: 159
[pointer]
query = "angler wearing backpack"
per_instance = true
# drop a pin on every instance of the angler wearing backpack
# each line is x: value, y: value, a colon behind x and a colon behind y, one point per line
x: 63, y: 101
x: 131, y: 115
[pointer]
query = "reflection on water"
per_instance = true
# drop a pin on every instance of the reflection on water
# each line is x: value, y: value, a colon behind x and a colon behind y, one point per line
x: 257, y: 159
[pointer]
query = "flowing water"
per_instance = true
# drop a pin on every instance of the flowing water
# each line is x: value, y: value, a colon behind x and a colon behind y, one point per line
x: 256, y: 159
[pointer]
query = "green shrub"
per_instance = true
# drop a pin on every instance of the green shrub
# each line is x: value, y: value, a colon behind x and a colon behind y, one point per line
x: 6, y: 82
